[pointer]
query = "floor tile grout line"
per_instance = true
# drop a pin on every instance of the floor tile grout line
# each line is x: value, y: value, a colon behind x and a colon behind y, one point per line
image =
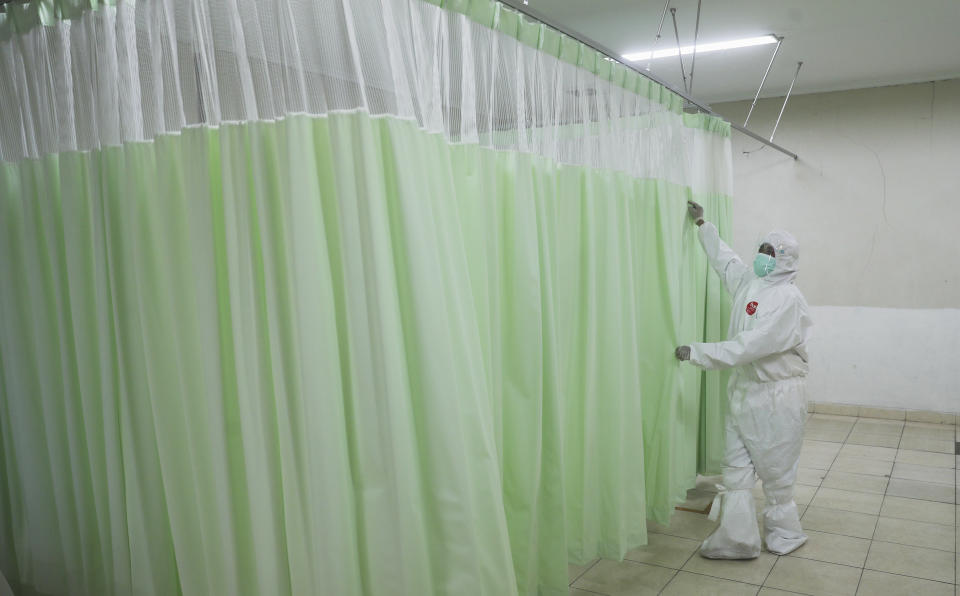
x: 926, y: 579
x: 882, y: 501
x: 692, y: 555
x: 865, y: 559
x: 830, y: 562
x: 674, y: 569
x: 767, y: 576
x: 861, y: 569
x: 676, y: 572
x: 833, y: 461
x: 688, y: 559
x: 796, y: 557
x: 788, y: 591
x: 838, y: 533
x: 701, y: 574
x: 678, y: 536
x: 662, y: 566
x: 939, y: 581
x: 860, y: 578
x: 886, y: 491
x: 954, y: 551
x: 910, y: 519
x: 589, y: 567
x: 866, y: 513
x: 590, y: 591
x: 870, y: 544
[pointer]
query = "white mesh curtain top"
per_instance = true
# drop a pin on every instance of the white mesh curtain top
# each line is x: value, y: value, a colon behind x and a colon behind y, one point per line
x: 351, y: 297
x: 128, y: 72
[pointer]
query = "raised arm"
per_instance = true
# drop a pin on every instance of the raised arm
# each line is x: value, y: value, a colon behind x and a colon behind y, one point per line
x: 725, y: 262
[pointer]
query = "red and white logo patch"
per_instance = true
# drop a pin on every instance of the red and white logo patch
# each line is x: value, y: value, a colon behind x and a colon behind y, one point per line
x: 752, y: 308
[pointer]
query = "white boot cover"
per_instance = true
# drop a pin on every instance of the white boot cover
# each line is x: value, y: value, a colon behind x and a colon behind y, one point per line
x: 781, y: 520
x: 738, y: 536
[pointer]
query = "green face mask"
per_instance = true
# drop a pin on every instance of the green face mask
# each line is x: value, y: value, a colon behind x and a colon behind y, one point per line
x: 763, y: 264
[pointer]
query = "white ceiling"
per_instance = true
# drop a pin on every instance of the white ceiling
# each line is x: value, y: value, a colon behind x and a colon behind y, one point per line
x: 844, y: 44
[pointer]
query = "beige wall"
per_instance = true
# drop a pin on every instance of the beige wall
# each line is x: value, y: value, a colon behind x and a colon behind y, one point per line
x: 874, y: 198
x: 875, y: 202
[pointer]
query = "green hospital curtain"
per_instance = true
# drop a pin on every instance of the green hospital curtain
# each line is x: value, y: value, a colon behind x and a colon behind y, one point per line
x: 278, y: 317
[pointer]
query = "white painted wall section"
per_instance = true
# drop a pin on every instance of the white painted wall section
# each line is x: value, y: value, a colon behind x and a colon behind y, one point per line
x: 874, y: 201
x: 886, y: 357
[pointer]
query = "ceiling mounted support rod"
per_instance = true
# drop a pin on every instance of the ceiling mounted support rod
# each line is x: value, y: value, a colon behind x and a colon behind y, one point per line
x: 703, y: 107
x: 786, y: 99
x: 763, y: 80
x: 696, y: 35
x: 763, y: 140
x: 663, y: 15
x: 673, y: 15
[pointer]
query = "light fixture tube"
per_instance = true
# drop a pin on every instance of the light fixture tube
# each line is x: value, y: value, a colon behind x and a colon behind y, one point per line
x: 703, y: 48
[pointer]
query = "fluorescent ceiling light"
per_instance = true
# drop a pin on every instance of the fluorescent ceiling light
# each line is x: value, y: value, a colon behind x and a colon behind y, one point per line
x: 703, y: 48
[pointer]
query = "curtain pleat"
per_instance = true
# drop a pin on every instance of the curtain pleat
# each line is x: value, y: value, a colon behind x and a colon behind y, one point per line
x: 341, y: 298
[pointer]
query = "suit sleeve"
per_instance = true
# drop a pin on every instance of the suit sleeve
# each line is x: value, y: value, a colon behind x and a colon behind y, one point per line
x: 776, y: 331
x: 725, y: 262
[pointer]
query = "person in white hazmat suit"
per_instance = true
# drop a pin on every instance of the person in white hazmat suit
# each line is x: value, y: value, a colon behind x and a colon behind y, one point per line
x: 769, y: 327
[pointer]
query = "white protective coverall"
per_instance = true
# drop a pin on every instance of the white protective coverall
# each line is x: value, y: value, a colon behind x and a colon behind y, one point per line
x: 769, y: 327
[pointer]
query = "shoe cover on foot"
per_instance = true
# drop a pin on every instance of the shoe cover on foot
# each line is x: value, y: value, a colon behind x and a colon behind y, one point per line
x: 738, y: 536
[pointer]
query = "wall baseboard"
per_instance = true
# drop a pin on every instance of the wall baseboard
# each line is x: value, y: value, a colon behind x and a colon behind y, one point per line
x: 884, y: 413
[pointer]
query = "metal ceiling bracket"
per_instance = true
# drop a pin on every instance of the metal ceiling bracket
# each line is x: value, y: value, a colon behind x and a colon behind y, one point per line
x: 786, y: 99
x: 703, y: 107
x: 696, y: 36
x: 763, y: 80
x: 663, y: 15
x: 673, y: 15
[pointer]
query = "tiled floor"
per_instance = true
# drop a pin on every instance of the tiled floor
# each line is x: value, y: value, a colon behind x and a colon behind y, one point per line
x: 879, y: 500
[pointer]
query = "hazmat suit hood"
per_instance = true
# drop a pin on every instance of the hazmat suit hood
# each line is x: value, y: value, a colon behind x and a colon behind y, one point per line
x: 787, y: 259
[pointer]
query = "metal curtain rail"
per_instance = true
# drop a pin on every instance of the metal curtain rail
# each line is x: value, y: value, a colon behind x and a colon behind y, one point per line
x: 519, y: 6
